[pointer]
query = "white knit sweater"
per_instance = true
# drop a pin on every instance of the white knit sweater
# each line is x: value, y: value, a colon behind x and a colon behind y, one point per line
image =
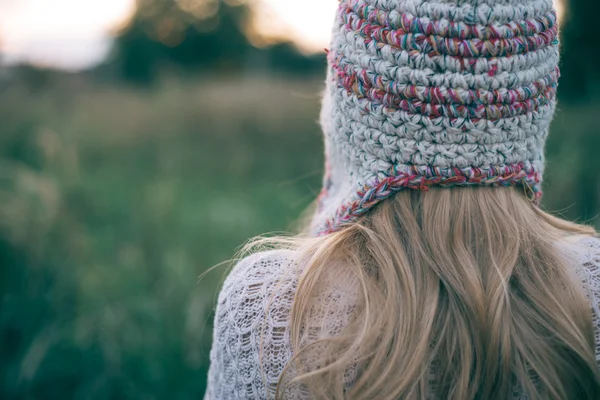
x: 251, y: 337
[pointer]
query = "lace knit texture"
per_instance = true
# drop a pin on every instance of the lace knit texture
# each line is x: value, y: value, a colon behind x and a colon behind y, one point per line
x: 251, y: 336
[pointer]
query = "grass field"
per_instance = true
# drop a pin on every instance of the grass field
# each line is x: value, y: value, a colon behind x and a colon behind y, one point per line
x: 114, y: 201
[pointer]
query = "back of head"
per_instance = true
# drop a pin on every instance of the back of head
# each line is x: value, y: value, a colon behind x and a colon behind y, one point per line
x: 464, y: 294
x: 425, y: 93
x: 435, y: 117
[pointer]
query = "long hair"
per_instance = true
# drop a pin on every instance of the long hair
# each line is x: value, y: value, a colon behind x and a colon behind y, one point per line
x: 460, y: 294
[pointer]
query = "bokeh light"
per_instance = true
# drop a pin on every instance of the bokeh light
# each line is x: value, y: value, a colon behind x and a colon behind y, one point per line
x: 308, y: 22
x: 75, y: 34
x: 66, y: 33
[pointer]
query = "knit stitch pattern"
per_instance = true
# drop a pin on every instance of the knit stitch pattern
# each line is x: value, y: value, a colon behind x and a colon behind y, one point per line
x: 252, y: 345
x: 435, y: 93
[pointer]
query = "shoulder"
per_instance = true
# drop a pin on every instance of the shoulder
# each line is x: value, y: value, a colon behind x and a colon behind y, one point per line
x: 586, y: 252
x: 256, y: 276
x: 592, y: 245
x: 261, y: 265
x: 256, y: 285
x: 251, y: 343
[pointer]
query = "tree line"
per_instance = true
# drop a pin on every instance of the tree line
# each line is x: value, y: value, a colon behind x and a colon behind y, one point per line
x: 211, y: 35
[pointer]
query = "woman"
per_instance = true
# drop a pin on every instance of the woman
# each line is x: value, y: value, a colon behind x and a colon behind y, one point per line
x: 430, y: 272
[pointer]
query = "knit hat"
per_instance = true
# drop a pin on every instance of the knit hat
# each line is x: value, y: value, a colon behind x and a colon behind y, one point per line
x: 427, y: 93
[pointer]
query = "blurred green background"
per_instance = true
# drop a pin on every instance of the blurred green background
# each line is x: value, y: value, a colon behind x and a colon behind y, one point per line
x: 120, y: 184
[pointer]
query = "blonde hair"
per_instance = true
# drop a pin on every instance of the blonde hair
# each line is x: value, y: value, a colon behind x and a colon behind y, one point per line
x: 468, y: 286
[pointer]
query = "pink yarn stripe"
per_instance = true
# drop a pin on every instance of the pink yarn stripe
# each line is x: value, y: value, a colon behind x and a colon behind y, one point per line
x: 360, y: 81
x: 452, y: 109
x: 406, y: 23
x: 438, y: 45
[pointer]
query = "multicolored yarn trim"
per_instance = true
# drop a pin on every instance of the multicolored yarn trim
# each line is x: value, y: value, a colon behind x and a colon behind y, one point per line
x: 407, y: 23
x: 360, y: 81
x: 505, y: 46
x: 448, y: 102
x: 413, y: 178
x: 471, y: 12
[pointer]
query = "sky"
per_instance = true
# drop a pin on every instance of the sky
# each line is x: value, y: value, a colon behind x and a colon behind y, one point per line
x: 75, y: 34
x: 64, y: 33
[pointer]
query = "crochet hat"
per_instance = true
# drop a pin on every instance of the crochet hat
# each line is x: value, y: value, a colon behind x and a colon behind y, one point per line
x: 427, y: 93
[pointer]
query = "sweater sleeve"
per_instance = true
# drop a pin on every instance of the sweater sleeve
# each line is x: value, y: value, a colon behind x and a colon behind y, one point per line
x: 590, y: 275
x: 251, y: 340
